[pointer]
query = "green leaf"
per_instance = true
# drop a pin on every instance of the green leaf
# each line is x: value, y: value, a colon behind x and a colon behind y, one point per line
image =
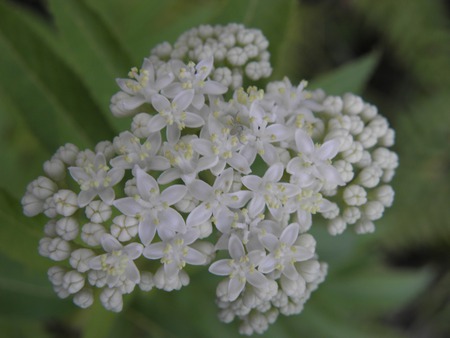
x: 351, y: 77
x: 56, y: 105
x: 92, y: 51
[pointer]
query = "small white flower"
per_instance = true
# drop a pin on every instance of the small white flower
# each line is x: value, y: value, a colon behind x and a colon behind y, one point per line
x: 241, y: 268
x: 313, y: 162
x: 152, y: 208
x: 283, y: 253
x: 175, y: 252
x: 118, y: 262
x: 216, y: 200
x: 95, y: 180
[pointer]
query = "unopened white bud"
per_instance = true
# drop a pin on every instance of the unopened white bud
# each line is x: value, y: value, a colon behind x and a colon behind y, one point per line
x: 369, y: 112
x: 67, y: 153
x: 388, y: 175
x: 388, y: 139
x: 237, y: 56
x: 130, y: 188
x: 306, y: 241
x: 139, y: 125
x: 351, y: 215
x: 333, y: 105
x: 66, y: 202
x: 97, y: 278
x: 58, y: 249
x: 126, y: 286
x: 206, y: 248
x: 385, y: 158
x: 345, y: 169
x: 257, y: 70
x: 354, y: 153
x: 379, y: 126
x: 369, y: 177
x: 357, y: 125
x: 251, y: 51
x: 331, y: 211
x: 365, y: 160
x: 336, y: 226
x: 162, y: 50
x: 32, y: 205
x: 385, y: 195
x: 50, y: 208
x: 55, y: 275
x: 79, y: 259
x: 61, y: 291
x: 146, y: 281
x: 55, y: 169
x: 352, y: 104
x: 364, y: 226
x: 340, y: 122
x: 43, y: 248
x: 98, y: 211
x: 367, y: 137
x: 106, y: 148
x: 223, y: 75
x: 124, y: 227
x: 91, y: 233
x: 373, y: 210
x: 84, y: 298
x: 43, y: 187
x: 112, y: 299
x: 355, y: 195
x: 293, y: 287
x: 309, y: 270
x: 205, y: 229
x: 73, y: 281
x: 50, y: 228
x: 67, y: 228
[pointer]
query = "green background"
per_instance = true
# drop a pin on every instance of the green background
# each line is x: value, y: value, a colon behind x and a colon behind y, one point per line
x: 57, y: 71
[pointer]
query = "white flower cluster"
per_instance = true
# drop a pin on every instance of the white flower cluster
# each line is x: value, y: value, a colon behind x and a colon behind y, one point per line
x: 209, y: 168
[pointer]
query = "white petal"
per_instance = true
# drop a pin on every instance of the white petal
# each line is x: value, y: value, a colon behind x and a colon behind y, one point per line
x: 274, y: 173
x: 240, y: 163
x: 96, y: 262
x: 109, y: 243
x: 85, y: 197
x: 252, y: 182
x: 290, y: 234
x: 170, y: 219
x: 303, y: 142
x: 159, y: 163
x: 203, y: 147
x: 128, y: 206
x: 115, y: 175
x: 132, y: 273
x: 183, y: 99
x: 270, y: 242
x: 160, y: 103
x: 235, y: 247
x: 237, y: 199
x: 302, y: 254
x: 107, y: 195
x: 199, y: 215
x: 133, y: 250
x: 270, y: 154
x: 235, y: 287
x: 267, y: 265
x: 256, y: 279
x: 173, y: 133
x: 328, y: 150
x: 256, y: 205
x: 214, y: 88
x: 173, y: 194
x: 330, y: 174
x: 200, y: 190
x: 193, y: 120
x: 169, y: 175
x: 145, y: 183
x: 290, y: 272
x: 221, y: 268
x: 279, y: 131
x: 171, y: 269
x: 147, y: 230
x: 154, y: 251
x: 156, y: 123
x: 195, y: 257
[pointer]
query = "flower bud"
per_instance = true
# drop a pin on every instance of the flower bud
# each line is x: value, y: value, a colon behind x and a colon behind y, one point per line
x: 73, y: 281
x: 65, y: 202
x: 84, y: 298
x: 67, y: 228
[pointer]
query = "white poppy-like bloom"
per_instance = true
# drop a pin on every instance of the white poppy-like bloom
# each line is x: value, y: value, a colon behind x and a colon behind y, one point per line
x: 206, y: 167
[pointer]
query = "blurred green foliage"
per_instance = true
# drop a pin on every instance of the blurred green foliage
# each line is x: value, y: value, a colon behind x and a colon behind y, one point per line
x: 57, y: 74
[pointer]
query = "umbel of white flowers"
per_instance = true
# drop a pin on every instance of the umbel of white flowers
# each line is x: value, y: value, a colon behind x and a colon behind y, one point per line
x: 209, y: 166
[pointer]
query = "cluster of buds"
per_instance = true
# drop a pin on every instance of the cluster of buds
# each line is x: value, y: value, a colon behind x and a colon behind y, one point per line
x: 213, y: 174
